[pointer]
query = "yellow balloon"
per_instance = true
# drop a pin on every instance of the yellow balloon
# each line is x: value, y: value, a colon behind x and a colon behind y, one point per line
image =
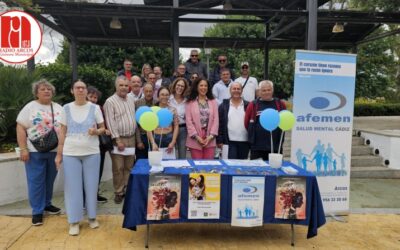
x: 287, y: 120
x: 148, y: 121
x: 155, y: 109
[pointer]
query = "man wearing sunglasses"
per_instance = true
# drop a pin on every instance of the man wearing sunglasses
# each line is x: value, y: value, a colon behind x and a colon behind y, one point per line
x: 249, y: 83
x: 222, y: 64
x: 194, y: 65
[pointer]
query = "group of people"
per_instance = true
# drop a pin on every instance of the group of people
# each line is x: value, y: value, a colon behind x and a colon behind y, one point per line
x: 207, y: 114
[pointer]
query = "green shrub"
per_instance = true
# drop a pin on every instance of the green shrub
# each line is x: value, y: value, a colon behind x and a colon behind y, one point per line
x: 16, y: 91
x: 377, y: 109
x: 60, y: 75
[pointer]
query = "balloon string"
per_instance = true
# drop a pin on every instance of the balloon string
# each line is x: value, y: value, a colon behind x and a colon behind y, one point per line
x: 272, y: 143
x: 280, y: 142
x: 159, y: 145
x: 148, y: 143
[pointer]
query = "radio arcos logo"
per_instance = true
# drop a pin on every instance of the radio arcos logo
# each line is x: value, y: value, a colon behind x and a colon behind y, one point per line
x: 20, y: 36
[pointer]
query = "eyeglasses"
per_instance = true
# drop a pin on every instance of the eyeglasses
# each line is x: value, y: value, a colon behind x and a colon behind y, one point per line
x: 221, y: 61
x: 194, y: 55
x: 245, y: 67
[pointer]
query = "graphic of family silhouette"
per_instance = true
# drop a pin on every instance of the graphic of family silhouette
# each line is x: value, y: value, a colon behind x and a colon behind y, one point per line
x: 197, y: 189
x: 323, y: 158
x: 247, y: 212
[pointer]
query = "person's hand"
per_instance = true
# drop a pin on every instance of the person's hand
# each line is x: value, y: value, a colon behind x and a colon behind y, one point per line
x: 58, y: 161
x: 107, y: 132
x: 140, y: 145
x: 154, y: 147
x: 170, y: 147
x: 121, y: 146
x: 200, y: 140
x: 92, y: 131
x: 207, y: 140
x: 220, y: 145
x: 24, y: 155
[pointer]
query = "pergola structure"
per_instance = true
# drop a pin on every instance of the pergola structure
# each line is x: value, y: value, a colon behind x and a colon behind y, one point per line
x: 288, y: 24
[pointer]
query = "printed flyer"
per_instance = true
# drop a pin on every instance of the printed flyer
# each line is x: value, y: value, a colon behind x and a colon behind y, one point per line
x: 247, y: 201
x: 164, y: 195
x: 290, y: 198
x: 204, y: 196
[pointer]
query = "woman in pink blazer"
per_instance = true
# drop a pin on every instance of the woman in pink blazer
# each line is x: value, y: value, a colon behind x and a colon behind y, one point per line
x: 201, y: 120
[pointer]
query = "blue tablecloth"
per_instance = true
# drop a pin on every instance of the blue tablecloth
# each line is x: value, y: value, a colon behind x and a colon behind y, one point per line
x: 135, y: 204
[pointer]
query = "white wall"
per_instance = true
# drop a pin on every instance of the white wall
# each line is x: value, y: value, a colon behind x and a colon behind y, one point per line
x: 13, y: 185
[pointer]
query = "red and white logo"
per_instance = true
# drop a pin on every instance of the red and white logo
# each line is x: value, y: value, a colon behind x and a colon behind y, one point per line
x: 20, y: 36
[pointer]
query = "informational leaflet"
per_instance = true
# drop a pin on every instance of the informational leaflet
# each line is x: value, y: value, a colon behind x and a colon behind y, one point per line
x: 247, y: 201
x: 208, y: 163
x: 126, y: 151
x: 246, y: 163
x: 290, y: 198
x: 204, y: 196
x: 164, y: 195
x: 175, y: 163
x: 168, y: 156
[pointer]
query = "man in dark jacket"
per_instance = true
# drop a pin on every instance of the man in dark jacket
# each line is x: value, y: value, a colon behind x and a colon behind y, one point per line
x: 222, y: 64
x: 193, y: 65
x: 261, y: 143
x: 232, y: 135
x: 127, y: 70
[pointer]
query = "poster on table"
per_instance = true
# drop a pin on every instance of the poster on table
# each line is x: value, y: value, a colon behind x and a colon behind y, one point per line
x: 164, y: 195
x: 290, y: 198
x: 323, y: 104
x: 247, y: 201
x: 204, y: 196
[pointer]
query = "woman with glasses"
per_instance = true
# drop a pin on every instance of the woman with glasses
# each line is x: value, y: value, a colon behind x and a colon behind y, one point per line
x: 179, y: 89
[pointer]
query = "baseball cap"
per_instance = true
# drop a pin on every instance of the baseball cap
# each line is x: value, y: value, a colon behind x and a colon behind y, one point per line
x: 244, y: 63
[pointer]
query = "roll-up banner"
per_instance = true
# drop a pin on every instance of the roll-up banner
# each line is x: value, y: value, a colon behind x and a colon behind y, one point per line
x: 323, y: 105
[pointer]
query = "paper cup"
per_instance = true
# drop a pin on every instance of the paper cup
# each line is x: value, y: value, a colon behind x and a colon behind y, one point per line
x: 275, y: 160
x: 155, y: 158
x: 17, y: 152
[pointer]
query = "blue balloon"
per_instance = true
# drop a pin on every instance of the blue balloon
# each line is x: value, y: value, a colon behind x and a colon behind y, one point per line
x: 165, y: 117
x: 269, y: 119
x: 140, y: 111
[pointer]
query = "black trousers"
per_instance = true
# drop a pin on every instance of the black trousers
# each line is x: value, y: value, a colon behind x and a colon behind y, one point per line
x: 255, y: 154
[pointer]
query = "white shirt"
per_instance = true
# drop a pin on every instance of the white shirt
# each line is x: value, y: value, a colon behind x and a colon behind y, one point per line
x: 82, y: 143
x: 180, y: 108
x: 137, y: 97
x: 249, y: 91
x: 221, y: 91
x: 236, y: 129
x: 37, y: 119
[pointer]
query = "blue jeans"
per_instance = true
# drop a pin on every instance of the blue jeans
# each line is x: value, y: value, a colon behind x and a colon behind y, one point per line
x: 81, y: 172
x: 165, y: 140
x: 41, y: 172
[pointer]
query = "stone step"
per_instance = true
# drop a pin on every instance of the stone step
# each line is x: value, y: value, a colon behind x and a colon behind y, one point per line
x: 376, y: 172
x: 366, y: 160
x: 361, y: 150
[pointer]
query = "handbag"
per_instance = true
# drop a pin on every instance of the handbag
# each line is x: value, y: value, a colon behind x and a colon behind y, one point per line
x: 251, y: 131
x: 106, y: 143
x: 47, y: 142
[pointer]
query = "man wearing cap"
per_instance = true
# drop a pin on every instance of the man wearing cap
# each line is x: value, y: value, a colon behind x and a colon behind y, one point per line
x: 193, y: 65
x: 249, y: 83
x: 222, y: 64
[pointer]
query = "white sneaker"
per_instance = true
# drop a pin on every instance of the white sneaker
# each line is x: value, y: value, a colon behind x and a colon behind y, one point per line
x: 93, y: 223
x: 74, y: 229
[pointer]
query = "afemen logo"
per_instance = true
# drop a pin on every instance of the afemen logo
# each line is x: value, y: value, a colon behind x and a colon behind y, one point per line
x: 324, y: 103
x: 20, y: 36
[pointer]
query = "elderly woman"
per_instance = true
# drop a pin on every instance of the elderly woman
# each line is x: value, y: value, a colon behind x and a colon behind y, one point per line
x: 81, y: 124
x: 261, y: 146
x: 201, y: 120
x: 179, y: 89
x: 36, y: 119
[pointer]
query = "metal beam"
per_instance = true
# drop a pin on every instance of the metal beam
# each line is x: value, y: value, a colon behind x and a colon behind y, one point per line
x: 287, y: 27
x: 103, y: 30
x: 137, y: 27
x: 52, y: 25
x: 312, y: 7
x: 386, y: 34
x: 266, y: 52
x: 73, y: 59
x: 66, y: 26
x: 175, y: 41
x: 210, y: 20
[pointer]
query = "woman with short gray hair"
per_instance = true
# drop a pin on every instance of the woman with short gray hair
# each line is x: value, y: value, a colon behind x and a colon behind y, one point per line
x: 34, y: 121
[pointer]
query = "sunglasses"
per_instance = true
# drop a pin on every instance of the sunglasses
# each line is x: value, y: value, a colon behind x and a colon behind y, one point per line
x: 221, y: 61
x: 245, y: 67
x: 194, y: 55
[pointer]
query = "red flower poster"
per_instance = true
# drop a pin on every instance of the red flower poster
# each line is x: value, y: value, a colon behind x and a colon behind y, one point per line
x: 290, y: 198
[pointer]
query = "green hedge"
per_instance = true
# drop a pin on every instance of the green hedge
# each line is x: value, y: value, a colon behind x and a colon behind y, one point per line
x: 377, y: 109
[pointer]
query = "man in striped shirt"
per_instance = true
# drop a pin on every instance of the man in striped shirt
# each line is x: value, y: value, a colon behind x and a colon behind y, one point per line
x: 119, y: 112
